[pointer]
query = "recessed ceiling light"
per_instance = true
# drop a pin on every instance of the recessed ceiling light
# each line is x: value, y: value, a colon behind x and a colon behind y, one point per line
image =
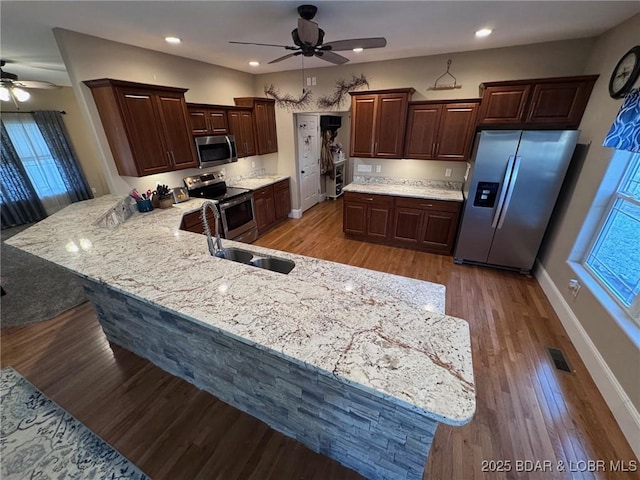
x: 484, y: 32
x: 253, y: 63
x: 358, y: 49
x: 173, y: 40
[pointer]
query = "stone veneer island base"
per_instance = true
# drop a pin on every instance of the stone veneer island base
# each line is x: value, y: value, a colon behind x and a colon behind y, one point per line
x: 356, y: 364
x: 361, y: 429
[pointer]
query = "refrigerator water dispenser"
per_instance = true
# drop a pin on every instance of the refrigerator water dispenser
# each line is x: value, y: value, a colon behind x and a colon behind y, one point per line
x: 486, y: 194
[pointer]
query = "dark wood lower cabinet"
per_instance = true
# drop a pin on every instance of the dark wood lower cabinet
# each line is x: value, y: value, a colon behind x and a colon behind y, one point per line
x: 367, y: 215
x: 429, y: 225
x: 192, y: 222
x: 272, y: 205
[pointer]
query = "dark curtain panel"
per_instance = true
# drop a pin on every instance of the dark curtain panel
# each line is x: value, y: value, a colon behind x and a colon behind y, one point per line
x: 20, y: 203
x: 55, y: 134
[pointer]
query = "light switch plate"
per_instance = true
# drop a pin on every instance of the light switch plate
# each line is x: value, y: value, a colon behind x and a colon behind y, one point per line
x: 364, y: 168
x: 378, y: 168
x: 447, y: 172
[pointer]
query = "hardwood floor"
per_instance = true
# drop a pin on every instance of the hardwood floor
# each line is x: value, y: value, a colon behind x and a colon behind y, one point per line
x: 526, y: 410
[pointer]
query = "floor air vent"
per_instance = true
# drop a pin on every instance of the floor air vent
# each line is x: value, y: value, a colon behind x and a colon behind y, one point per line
x: 559, y: 360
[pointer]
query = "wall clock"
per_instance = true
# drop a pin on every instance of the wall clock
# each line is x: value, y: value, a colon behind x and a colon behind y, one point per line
x: 625, y: 74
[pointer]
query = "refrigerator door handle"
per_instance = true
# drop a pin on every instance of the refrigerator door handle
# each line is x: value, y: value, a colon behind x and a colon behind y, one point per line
x: 512, y: 183
x: 505, y: 186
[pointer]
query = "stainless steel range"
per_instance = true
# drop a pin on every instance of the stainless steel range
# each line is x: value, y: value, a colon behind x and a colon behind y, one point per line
x: 235, y: 205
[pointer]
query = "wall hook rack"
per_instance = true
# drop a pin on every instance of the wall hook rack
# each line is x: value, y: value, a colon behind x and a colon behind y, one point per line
x: 445, y: 86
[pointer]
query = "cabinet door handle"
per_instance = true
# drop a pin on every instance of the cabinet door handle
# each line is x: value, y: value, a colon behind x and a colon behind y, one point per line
x: 169, y: 157
x: 433, y: 149
x: 173, y: 157
x: 426, y: 204
x: 143, y: 97
x: 369, y: 199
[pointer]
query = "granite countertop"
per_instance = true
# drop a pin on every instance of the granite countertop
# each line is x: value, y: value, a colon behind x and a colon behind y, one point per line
x: 255, y: 183
x: 428, y: 189
x: 382, y: 333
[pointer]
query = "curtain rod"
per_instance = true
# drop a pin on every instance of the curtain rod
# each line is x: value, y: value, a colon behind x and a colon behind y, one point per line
x: 33, y: 111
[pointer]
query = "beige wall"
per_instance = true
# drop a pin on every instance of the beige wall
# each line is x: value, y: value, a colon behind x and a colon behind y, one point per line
x: 88, y: 58
x: 470, y: 68
x: 63, y: 99
x: 616, y: 347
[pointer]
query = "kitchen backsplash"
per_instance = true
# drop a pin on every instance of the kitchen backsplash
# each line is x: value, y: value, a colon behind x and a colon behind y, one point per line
x: 232, y: 180
x: 413, y: 182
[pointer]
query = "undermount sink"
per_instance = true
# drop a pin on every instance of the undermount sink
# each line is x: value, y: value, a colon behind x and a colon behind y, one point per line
x: 236, y: 255
x: 274, y: 264
x: 280, y: 265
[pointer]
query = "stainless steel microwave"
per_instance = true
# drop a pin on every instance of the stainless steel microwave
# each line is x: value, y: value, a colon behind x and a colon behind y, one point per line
x: 216, y: 150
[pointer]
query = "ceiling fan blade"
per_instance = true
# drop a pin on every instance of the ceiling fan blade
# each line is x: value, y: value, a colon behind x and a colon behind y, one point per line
x: 350, y: 44
x: 34, y: 84
x: 308, y: 32
x: 265, y: 45
x: 285, y: 57
x: 331, y: 57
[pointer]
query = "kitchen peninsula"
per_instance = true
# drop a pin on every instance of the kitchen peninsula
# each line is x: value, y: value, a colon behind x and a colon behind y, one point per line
x: 358, y: 365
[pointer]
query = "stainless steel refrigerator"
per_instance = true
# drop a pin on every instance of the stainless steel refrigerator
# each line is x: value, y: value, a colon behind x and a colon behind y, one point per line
x: 515, y: 179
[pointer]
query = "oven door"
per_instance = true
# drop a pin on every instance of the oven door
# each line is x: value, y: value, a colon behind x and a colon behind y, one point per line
x: 238, y: 217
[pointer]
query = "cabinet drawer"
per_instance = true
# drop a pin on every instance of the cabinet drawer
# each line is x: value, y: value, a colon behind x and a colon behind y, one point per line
x: 263, y: 192
x: 427, y: 204
x: 368, y: 198
x: 281, y: 185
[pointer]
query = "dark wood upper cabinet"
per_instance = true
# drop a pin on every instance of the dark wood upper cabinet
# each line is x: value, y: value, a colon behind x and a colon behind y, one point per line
x: 207, y: 119
x: 504, y: 105
x: 147, y: 126
x: 180, y: 146
x: 241, y: 126
x: 378, y: 121
x: 264, y: 118
x: 440, y: 130
x: 547, y: 102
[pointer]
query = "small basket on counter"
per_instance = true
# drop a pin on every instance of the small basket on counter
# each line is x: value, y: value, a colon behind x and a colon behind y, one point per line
x: 164, y: 196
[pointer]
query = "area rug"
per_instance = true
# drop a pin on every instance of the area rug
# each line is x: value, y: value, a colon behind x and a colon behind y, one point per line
x: 39, y: 440
x: 36, y: 289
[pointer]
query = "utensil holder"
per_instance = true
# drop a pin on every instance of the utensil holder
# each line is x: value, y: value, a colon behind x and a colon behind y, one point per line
x: 165, y: 202
x: 144, y: 205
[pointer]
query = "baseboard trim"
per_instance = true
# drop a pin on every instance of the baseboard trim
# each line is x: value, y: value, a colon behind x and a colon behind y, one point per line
x: 296, y: 213
x: 623, y: 410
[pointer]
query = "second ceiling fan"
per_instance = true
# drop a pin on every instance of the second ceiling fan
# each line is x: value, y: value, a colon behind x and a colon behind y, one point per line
x: 309, y: 40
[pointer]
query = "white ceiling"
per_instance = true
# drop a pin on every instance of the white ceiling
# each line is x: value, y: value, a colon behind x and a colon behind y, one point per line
x: 412, y: 28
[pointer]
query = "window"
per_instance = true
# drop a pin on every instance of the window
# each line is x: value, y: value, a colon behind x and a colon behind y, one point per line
x: 37, y: 160
x: 614, y: 255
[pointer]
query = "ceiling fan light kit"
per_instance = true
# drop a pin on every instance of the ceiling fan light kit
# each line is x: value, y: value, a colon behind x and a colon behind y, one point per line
x: 12, y: 89
x: 308, y: 39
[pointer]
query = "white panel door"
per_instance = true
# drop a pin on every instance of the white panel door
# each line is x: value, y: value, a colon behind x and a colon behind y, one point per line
x: 308, y: 159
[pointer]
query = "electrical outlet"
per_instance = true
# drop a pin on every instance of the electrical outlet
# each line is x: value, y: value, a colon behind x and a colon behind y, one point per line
x: 447, y: 172
x: 574, y: 286
x: 378, y: 168
x: 364, y: 168
x: 308, y: 81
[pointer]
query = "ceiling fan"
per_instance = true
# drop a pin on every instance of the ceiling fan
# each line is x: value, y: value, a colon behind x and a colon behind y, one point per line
x: 11, y: 88
x: 309, y: 40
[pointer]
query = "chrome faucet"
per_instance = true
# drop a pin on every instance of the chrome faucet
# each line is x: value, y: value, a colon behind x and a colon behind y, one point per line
x: 215, y: 250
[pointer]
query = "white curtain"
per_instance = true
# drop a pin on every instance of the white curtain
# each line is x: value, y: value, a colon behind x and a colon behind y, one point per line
x: 37, y: 160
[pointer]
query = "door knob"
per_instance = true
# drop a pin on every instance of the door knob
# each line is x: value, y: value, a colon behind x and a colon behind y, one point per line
x: 301, y: 171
